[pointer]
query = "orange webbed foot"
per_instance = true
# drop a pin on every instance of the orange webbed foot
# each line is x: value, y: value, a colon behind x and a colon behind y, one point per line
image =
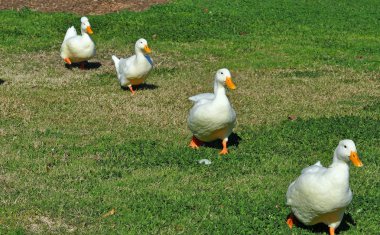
x: 291, y: 220
x: 67, y: 60
x: 195, y: 143
x: 224, y: 150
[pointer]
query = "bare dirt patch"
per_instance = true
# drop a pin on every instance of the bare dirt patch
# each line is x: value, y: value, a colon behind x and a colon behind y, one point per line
x: 89, y: 7
x: 43, y: 223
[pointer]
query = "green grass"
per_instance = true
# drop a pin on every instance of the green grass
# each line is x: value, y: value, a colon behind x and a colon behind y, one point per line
x: 74, y: 145
x: 272, y: 34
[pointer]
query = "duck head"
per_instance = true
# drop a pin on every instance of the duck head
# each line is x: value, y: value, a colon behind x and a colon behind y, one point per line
x: 142, y: 45
x: 346, y: 151
x: 223, y: 76
x: 85, y: 26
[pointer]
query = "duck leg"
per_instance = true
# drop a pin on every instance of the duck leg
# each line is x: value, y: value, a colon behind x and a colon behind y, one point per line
x: 130, y: 88
x: 224, y: 143
x: 195, y: 143
x: 332, y: 231
x: 67, y: 60
x: 290, y: 221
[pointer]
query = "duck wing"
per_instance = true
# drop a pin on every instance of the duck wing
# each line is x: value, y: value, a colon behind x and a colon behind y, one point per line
x: 126, y: 63
x: 71, y: 32
x: 208, y: 96
x: 308, y: 183
x: 202, y: 98
x: 313, y: 169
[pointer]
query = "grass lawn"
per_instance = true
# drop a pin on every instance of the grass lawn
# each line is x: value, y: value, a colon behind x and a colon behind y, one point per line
x: 74, y: 146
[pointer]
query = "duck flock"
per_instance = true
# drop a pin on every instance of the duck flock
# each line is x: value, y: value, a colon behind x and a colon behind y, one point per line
x: 319, y: 195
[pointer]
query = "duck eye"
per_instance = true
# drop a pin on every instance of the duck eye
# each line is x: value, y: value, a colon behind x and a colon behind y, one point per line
x: 345, y: 146
x: 221, y: 72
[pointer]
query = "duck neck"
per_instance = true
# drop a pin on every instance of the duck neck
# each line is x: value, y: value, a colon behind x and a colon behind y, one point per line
x: 342, y: 168
x: 138, y: 52
x: 337, y: 161
x: 85, y: 35
x: 83, y: 32
x: 219, y: 89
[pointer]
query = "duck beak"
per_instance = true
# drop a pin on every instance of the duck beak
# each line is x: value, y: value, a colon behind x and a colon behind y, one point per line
x: 230, y: 84
x: 89, y: 30
x: 355, y: 159
x: 147, y: 49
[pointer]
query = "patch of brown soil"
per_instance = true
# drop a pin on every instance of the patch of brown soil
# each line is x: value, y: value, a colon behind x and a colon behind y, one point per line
x: 43, y: 223
x: 88, y: 7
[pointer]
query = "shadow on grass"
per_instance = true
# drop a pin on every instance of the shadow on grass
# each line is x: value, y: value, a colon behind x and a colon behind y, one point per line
x: 143, y: 86
x: 322, y: 228
x: 233, y: 140
x: 87, y: 65
x: 2, y: 81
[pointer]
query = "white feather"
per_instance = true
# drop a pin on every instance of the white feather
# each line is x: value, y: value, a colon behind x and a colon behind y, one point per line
x: 212, y: 116
x: 206, y: 96
x: 314, y: 168
x: 76, y: 47
x: 71, y: 32
x: 116, y: 63
x: 134, y: 69
x: 320, y: 194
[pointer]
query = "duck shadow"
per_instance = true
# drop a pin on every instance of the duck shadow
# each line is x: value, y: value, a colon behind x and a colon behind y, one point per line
x: 2, y: 81
x: 143, y: 86
x: 322, y: 228
x: 87, y: 65
x: 233, y: 140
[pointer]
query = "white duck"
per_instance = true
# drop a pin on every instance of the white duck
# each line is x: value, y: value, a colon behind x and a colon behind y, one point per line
x: 134, y: 69
x: 212, y: 116
x: 78, y: 48
x: 321, y: 195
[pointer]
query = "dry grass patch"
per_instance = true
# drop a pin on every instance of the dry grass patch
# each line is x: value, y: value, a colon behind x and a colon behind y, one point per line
x: 266, y: 97
x: 91, y: 101
x: 43, y: 224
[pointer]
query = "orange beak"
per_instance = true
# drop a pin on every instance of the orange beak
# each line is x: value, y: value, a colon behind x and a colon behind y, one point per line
x: 89, y: 30
x: 147, y: 49
x: 355, y: 159
x: 230, y: 84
